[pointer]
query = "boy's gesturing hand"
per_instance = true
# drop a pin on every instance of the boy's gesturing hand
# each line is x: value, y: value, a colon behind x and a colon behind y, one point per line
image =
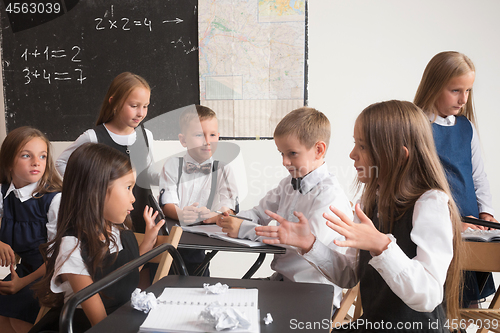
x: 289, y: 233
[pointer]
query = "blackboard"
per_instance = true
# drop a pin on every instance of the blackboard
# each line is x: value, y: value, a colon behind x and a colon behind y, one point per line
x: 57, y: 67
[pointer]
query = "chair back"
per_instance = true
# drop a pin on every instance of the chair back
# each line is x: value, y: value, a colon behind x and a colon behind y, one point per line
x: 483, y: 257
x: 163, y: 260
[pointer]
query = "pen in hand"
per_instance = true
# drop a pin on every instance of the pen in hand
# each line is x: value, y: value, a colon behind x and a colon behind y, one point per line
x: 238, y: 217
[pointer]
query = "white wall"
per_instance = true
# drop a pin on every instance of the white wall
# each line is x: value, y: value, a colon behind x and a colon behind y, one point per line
x: 364, y: 51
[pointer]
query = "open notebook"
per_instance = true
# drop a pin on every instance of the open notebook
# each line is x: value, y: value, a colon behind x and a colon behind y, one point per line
x: 214, y: 231
x: 178, y: 310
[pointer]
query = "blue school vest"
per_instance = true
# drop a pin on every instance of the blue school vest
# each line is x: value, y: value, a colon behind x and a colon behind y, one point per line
x: 453, y: 144
x: 24, y: 226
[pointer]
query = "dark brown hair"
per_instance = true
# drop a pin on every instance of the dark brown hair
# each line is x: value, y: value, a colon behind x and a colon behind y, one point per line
x: 91, y: 170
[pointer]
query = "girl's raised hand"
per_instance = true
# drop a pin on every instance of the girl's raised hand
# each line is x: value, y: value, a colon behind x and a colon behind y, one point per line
x: 7, y: 256
x: 289, y: 233
x: 363, y: 236
x: 152, y: 229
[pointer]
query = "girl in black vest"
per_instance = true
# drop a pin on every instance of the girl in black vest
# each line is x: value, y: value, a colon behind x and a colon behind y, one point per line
x: 91, y: 240
x: 29, y: 204
x: 119, y: 126
x: 404, y: 246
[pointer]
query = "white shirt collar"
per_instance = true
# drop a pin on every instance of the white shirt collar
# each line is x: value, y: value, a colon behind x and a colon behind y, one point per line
x: 123, y: 140
x: 23, y: 193
x: 448, y: 121
x: 188, y: 158
x: 314, y: 177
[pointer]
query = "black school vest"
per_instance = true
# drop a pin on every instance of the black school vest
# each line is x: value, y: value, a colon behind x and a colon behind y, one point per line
x: 119, y: 292
x: 381, y: 304
x: 138, y: 154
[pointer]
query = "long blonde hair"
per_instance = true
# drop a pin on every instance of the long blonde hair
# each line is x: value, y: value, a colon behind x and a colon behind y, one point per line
x: 117, y: 94
x: 387, y: 128
x: 439, y: 71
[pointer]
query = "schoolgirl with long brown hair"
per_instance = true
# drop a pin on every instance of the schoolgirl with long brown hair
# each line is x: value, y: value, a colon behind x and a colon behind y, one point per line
x: 91, y: 240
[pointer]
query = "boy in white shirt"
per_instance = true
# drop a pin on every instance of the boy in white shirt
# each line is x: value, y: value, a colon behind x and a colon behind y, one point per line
x: 302, y: 138
x: 194, y: 186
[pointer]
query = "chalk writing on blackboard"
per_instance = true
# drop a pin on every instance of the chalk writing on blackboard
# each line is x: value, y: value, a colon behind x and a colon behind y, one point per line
x: 39, y: 60
x: 57, y: 67
x: 126, y: 23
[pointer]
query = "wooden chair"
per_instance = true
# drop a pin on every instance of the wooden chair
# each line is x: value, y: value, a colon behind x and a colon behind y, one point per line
x: 351, y: 298
x: 164, y: 260
x: 483, y: 257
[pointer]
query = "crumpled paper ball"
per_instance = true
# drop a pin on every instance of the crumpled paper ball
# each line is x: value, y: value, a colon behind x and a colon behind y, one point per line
x: 142, y: 301
x: 224, y: 318
x: 217, y: 288
x: 268, y: 319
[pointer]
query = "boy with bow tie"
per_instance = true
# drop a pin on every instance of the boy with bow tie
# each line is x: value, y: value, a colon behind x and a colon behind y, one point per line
x: 302, y: 138
x: 195, y: 185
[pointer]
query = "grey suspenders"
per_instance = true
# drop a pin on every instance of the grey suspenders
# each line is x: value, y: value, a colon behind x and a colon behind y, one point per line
x: 213, y: 187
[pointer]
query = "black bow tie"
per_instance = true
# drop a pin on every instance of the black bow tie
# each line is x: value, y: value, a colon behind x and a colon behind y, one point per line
x: 296, y: 183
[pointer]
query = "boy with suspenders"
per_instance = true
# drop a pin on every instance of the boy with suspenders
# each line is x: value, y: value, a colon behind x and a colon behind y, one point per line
x: 192, y: 187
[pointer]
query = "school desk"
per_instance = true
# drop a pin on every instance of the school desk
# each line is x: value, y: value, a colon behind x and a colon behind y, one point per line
x: 201, y: 242
x: 293, y: 305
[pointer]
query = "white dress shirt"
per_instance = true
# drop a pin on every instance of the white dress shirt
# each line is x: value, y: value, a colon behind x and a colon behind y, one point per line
x: 481, y: 184
x: 25, y: 193
x: 195, y: 187
x: 123, y: 140
x: 320, y: 189
x: 418, y: 281
x: 70, y: 261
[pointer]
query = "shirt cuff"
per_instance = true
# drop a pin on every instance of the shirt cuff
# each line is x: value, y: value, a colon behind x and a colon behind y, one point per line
x: 247, y: 230
x: 168, y: 197
x: 390, y: 262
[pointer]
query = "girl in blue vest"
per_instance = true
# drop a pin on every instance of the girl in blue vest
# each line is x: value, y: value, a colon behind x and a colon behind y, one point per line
x: 445, y: 95
x: 91, y: 240
x: 30, y: 195
x: 119, y: 126
x: 404, y: 243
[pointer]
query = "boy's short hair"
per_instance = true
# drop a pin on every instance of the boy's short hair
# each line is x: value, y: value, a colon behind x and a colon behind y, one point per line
x: 202, y: 112
x: 308, y: 125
